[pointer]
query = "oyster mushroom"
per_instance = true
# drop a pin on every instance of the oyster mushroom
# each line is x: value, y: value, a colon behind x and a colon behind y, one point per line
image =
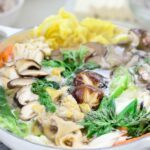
x: 27, y: 112
x: 140, y: 39
x: 97, y: 51
x: 19, y: 82
x: 25, y: 95
x: 29, y: 68
x: 88, y: 94
x: 26, y: 64
x: 33, y: 73
x: 107, y: 56
x: 144, y: 72
x: 89, y: 78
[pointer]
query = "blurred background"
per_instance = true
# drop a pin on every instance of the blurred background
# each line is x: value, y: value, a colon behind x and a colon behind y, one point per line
x: 28, y: 13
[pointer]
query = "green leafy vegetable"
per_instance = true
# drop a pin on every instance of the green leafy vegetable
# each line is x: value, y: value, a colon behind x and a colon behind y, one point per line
x: 73, y: 61
x: 128, y: 110
x: 8, y: 119
x: 39, y: 88
x: 104, y: 120
x: 122, y: 79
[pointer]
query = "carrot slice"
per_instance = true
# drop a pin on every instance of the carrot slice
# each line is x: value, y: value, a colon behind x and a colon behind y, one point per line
x: 130, y: 140
x: 6, y: 54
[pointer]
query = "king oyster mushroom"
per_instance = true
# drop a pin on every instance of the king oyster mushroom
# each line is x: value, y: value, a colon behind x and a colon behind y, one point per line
x: 29, y: 68
x: 20, y: 82
x: 25, y: 95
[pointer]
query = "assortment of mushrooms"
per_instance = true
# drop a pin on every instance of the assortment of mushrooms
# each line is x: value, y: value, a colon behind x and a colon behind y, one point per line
x: 89, y: 87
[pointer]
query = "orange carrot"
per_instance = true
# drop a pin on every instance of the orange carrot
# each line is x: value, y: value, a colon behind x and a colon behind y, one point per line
x: 5, y: 55
x: 130, y: 140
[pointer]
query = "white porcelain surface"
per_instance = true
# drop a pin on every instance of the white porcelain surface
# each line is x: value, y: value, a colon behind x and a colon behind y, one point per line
x: 9, y: 17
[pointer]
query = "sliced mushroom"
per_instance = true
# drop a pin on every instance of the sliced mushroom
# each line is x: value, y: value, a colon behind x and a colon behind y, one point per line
x: 33, y: 73
x: 88, y: 94
x: 89, y: 78
x: 27, y: 112
x: 26, y: 64
x: 19, y: 82
x: 25, y: 95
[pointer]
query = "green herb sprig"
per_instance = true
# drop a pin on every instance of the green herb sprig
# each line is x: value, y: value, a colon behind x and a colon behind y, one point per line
x: 73, y: 62
x: 39, y: 88
x: 105, y: 120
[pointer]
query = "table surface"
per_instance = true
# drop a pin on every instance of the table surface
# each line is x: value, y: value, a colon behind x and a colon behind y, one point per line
x: 3, y: 147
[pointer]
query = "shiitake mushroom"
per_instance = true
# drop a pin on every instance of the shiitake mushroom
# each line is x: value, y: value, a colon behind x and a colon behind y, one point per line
x: 88, y: 94
x: 89, y: 78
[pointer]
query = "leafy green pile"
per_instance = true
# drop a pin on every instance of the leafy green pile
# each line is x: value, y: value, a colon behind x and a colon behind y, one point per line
x: 9, y: 120
x: 104, y: 120
x: 73, y: 61
x: 136, y: 121
x: 39, y: 88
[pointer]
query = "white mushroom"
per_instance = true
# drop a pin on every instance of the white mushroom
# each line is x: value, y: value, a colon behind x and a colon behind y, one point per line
x: 27, y: 112
x: 25, y: 95
x: 20, y: 82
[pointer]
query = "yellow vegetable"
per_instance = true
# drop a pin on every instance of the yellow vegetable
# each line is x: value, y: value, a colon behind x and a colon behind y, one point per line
x: 65, y: 30
x: 54, y: 93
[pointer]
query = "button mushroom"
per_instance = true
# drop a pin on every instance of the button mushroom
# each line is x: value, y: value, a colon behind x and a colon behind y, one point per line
x: 27, y: 112
x: 88, y: 94
x: 20, y: 82
x: 89, y: 78
x: 25, y: 95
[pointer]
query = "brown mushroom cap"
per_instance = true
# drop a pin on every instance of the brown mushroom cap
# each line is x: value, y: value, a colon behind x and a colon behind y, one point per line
x: 88, y: 94
x: 89, y: 78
